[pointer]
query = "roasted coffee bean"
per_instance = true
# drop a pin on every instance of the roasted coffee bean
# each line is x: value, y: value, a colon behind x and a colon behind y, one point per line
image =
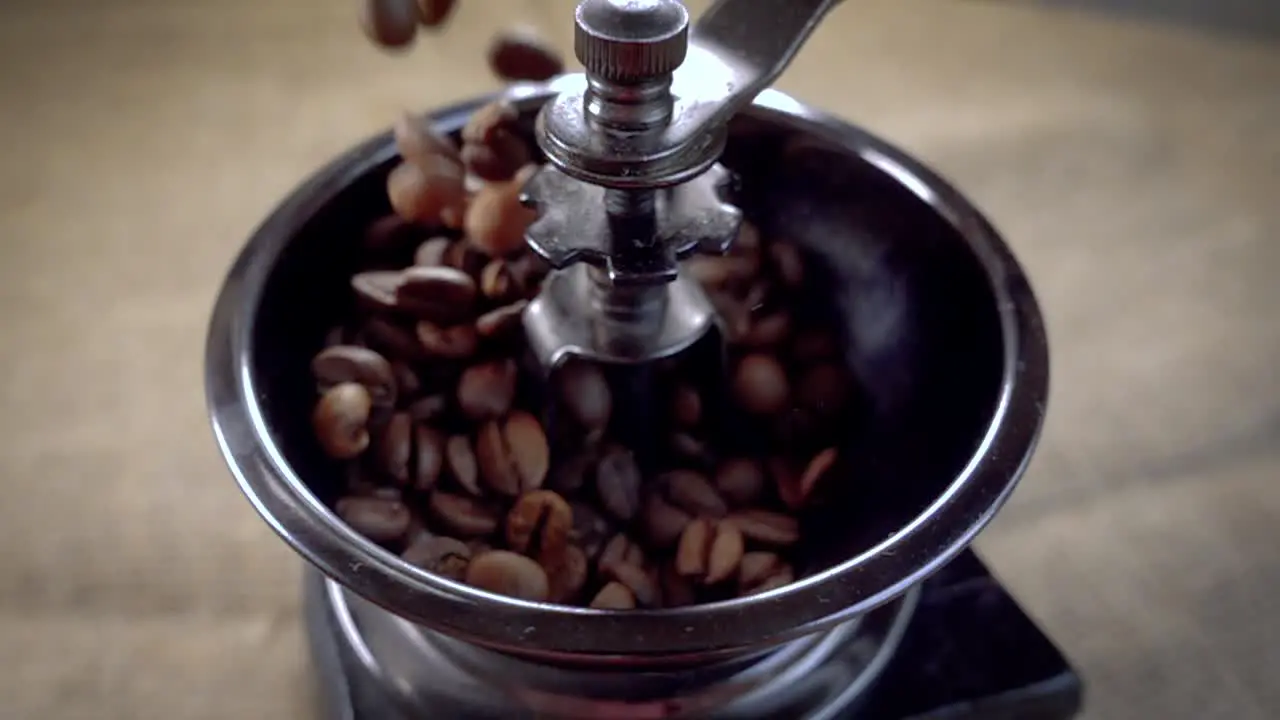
x: 341, y: 420
x: 643, y: 586
x: 529, y: 269
x: 488, y: 390
x: 457, y: 342
x: 614, y: 596
x: 787, y: 480
x: 433, y: 13
x: 568, y: 577
x: 768, y: 331
x: 408, y: 384
x: 762, y: 571
x: 428, y: 457
x: 677, y: 590
x: 498, y: 284
x: 463, y: 515
x: 461, y: 460
x: 349, y: 363
x: 539, y: 525
x: 788, y: 263
x: 393, y: 339
x: 512, y: 454
x: 376, y: 289
x: 741, y: 481
x: 419, y: 143
x: 495, y: 220
x: 584, y: 394
x: 692, y: 450
x: 709, y: 551
x: 620, y: 549
x: 491, y: 144
x: 432, y: 191
x: 760, y: 385
x: 431, y: 252
x: 394, y: 448
x: 663, y: 522
x: 824, y: 389
x: 441, y: 555
x: 520, y: 54
x: 817, y: 469
x: 392, y: 24
x: 686, y: 406
x: 382, y: 520
x: 693, y: 493
x: 591, y: 531
x: 462, y: 255
x: 428, y: 409
x: 764, y: 526
x: 436, y: 294
x: 570, y: 474
x: 618, y: 481
x: 498, y: 117
x: 390, y: 233
x: 503, y: 325
x: 507, y: 573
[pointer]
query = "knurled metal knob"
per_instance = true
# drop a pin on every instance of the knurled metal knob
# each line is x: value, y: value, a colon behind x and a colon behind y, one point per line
x: 627, y: 41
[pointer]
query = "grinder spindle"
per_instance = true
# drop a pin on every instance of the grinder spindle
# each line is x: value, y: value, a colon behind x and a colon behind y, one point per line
x: 633, y: 185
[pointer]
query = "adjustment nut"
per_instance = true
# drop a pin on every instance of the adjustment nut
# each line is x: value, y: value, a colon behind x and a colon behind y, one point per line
x: 630, y: 41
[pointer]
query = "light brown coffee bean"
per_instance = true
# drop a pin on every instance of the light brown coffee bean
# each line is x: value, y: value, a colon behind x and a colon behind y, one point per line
x: 693, y: 493
x: 487, y: 391
x: 741, y: 481
x: 498, y: 117
x: 498, y: 284
x: 431, y: 252
x: 824, y: 389
x: 432, y: 191
x: 520, y: 54
x: 677, y: 590
x: 614, y: 596
x: 428, y: 409
x: 788, y: 263
x: 767, y: 527
x: 584, y: 394
x: 760, y: 385
x: 643, y: 586
x: 391, y: 24
x: 495, y: 220
x: 591, y: 531
x: 686, y: 406
x: 512, y: 454
x: 768, y: 331
x: 393, y: 339
x: 389, y: 233
x: 461, y: 460
x: 376, y: 289
x: 507, y: 573
x: 381, y: 520
x: 394, y: 448
x: 762, y: 571
x: 568, y: 577
x: 434, y: 13
x: 618, y: 483
x: 437, y: 294
x: 465, y: 516
x: 457, y: 342
x: 350, y: 363
x: 709, y: 551
x: 498, y: 160
x: 419, y: 143
x: 441, y: 555
x: 503, y: 325
x: 620, y: 549
x: 663, y: 522
x: 341, y: 419
x: 428, y: 456
x: 539, y: 525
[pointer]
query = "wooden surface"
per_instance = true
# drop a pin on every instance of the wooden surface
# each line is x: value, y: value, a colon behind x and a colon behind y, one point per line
x: 1136, y: 171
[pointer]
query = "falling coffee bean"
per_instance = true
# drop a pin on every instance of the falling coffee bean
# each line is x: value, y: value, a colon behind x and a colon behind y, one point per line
x: 519, y: 54
x: 433, y: 13
x: 392, y: 24
x: 382, y: 520
x: 443, y: 556
x: 341, y: 420
x: 429, y: 192
x: 506, y: 573
x: 420, y: 144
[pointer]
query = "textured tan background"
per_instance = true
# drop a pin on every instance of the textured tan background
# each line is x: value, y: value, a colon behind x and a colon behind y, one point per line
x: 1135, y: 170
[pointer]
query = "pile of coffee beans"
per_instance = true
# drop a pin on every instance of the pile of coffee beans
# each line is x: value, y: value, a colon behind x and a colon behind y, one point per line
x: 472, y: 467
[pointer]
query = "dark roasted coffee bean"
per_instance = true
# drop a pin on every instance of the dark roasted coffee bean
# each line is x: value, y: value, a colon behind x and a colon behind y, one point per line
x: 764, y: 526
x: 381, y: 520
x: 520, y: 54
x: 709, y: 551
x: 498, y: 117
x: 584, y: 394
x: 591, y: 531
x: 569, y: 475
x: 498, y: 284
x: 618, y: 483
x: 487, y: 391
x: 686, y: 406
x: 539, y: 525
x: 392, y: 339
x: 341, y: 420
x: 760, y: 385
x: 429, y: 408
x: 663, y: 522
x: 507, y: 573
x: 349, y: 363
x: 394, y: 448
x: 692, y: 450
x: 788, y: 263
x: 457, y: 342
x: 620, y: 549
x: 693, y: 493
x: 428, y: 457
x: 824, y: 389
x: 463, y: 515
x: 408, y: 384
x: 441, y: 555
x: 503, y: 325
x: 512, y: 454
x: 677, y: 590
x: 643, y: 586
x: 741, y: 481
x: 614, y: 596
x: 768, y: 331
x: 392, y: 24
x: 462, y: 255
x: 568, y: 577
x: 529, y: 269
x: 433, y: 13
x: 461, y: 460
x: 498, y: 160
x: 390, y: 233
x: 376, y: 289
x: 431, y: 253
x: 436, y: 294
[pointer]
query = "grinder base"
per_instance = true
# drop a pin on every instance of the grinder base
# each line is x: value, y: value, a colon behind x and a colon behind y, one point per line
x: 959, y: 648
